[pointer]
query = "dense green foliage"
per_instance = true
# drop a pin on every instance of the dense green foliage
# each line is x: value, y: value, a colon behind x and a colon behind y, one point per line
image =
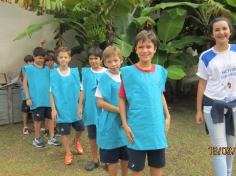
x: 181, y: 27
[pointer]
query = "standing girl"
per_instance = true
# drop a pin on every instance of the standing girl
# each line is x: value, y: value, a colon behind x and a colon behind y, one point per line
x: 217, y: 91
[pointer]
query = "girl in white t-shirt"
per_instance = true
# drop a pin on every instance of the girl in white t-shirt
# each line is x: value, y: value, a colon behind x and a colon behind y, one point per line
x: 217, y: 91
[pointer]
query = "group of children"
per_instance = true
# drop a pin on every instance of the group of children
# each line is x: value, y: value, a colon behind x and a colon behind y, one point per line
x: 125, y: 112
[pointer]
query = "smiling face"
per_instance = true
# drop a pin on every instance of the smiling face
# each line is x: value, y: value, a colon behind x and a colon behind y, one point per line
x: 63, y: 59
x: 145, y: 50
x: 221, y: 32
x: 95, y: 62
x: 39, y: 60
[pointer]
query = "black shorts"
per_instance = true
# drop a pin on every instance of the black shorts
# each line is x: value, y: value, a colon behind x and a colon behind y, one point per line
x: 156, y: 159
x: 92, y: 131
x: 41, y: 113
x: 113, y: 155
x: 24, y: 107
x: 64, y: 128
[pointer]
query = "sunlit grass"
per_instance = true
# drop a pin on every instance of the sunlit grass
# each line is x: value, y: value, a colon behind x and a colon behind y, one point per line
x: 187, y: 155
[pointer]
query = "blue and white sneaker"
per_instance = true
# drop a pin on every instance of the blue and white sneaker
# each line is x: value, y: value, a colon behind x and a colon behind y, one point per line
x: 37, y: 142
x: 54, y: 141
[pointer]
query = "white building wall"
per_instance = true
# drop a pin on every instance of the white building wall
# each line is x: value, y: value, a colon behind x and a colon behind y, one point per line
x: 14, y: 20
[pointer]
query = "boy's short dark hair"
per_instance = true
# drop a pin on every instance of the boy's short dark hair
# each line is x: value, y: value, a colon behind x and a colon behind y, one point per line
x: 39, y: 51
x: 28, y: 58
x: 146, y: 35
x: 63, y: 49
x: 95, y: 51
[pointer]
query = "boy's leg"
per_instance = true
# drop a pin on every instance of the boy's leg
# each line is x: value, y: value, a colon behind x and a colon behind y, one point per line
x: 25, y: 115
x: 92, y: 142
x: 38, y: 117
x: 93, y: 148
x: 111, y: 157
x: 155, y: 171
x: 113, y: 169
x: 50, y: 124
x: 156, y: 160
x: 65, y: 143
x: 123, y: 156
x: 79, y: 128
x: 136, y: 161
x: 124, y: 167
x: 25, y: 119
x: 37, y: 125
x: 64, y: 130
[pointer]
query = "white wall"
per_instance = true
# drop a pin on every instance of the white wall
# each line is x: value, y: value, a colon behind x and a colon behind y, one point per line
x: 14, y: 20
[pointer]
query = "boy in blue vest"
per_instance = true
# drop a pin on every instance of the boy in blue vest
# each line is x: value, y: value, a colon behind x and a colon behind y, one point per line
x: 87, y: 104
x: 29, y: 59
x: 142, y: 105
x: 110, y: 134
x: 65, y: 90
x: 36, y: 86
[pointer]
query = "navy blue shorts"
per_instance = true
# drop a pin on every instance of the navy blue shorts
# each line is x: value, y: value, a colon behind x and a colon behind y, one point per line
x: 24, y: 107
x: 156, y: 159
x: 41, y: 113
x: 92, y: 131
x: 64, y: 128
x: 113, y: 155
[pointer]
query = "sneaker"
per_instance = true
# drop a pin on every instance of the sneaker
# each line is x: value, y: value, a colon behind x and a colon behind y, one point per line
x: 37, y: 142
x: 79, y: 148
x: 91, y: 166
x: 68, y: 159
x: 25, y: 130
x: 42, y: 130
x: 54, y: 141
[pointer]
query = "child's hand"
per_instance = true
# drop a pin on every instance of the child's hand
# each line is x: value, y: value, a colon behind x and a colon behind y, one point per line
x: 129, y: 134
x: 80, y: 111
x: 167, y: 124
x: 54, y: 113
x: 29, y: 102
x: 199, y: 118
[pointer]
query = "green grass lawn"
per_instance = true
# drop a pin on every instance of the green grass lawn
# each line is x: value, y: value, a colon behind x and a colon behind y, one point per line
x: 187, y: 154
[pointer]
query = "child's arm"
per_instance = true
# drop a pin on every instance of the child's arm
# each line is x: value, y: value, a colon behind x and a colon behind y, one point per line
x: 53, y: 106
x: 200, y: 92
x: 26, y: 89
x: 128, y: 131
x: 81, y: 102
x: 107, y: 106
x: 20, y: 78
x: 167, y: 113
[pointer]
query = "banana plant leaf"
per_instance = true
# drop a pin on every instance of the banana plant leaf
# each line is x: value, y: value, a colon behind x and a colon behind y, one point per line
x: 36, y: 27
x: 159, y: 58
x: 124, y: 47
x: 142, y: 19
x: 168, y: 48
x: 175, y: 72
x: 231, y: 2
x: 149, y: 10
x: 120, y: 23
x: 233, y: 17
x: 170, y: 24
x: 121, y: 7
x: 189, y: 40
